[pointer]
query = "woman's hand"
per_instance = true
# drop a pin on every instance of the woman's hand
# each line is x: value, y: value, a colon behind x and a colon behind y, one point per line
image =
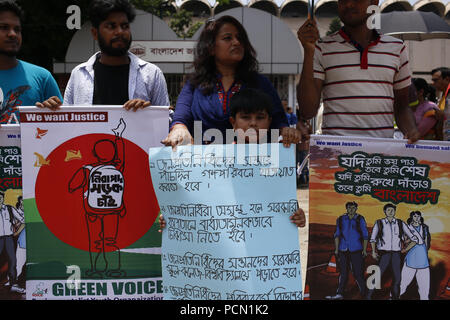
x: 179, y: 135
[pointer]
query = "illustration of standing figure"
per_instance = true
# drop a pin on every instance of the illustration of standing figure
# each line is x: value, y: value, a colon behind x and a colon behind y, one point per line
x: 350, y: 239
x: 386, y: 243
x: 10, y: 220
x: 416, y: 263
x: 103, y: 186
x: 21, y: 251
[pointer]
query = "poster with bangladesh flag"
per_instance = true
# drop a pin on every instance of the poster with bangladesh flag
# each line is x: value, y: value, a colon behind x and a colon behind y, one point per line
x: 90, y: 208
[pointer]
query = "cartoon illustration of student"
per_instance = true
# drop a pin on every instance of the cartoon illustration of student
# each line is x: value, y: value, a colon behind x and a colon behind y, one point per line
x: 386, y: 242
x: 21, y: 251
x: 351, y: 239
x: 103, y: 185
x: 416, y: 263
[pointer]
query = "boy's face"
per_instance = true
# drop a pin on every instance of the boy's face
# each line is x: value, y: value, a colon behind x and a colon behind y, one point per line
x: 389, y: 212
x: 247, y: 121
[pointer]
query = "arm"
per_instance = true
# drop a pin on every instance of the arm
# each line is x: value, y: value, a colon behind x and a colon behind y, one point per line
x: 426, y: 124
x: 373, y: 240
x: 68, y: 94
x: 182, y: 119
x: 157, y: 89
x: 337, y: 234
x: 336, y: 246
x: 404, y: 117
x: 79, y: 175
x: 365, y: 234
x: 309, y: 88
x: 52, y: 96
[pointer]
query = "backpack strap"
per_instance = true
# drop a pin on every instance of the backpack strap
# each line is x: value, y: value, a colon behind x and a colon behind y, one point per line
x: 379, y: 236
x: 400, y: 229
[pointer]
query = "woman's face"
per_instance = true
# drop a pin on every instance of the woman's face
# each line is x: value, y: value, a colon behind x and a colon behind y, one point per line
x: 416, y: 218
x: 228, y: 49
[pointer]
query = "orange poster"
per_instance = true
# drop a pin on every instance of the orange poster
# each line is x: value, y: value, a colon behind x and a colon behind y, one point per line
x: 379, y: 219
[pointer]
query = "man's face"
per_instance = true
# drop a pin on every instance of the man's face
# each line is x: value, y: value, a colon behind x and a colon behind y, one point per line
x: 10, y: 34
x: 353, y: 13
x: 114, y: 35
x: 389, y: 212
x: 351, y: 209
x: 439, y: 83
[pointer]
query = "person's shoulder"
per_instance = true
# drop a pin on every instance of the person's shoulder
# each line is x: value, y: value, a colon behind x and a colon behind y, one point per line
x: 34, y: 69
x: 330, y: 39
x: 142, y: 64
x: 390, y: 39
x: 431, y: 105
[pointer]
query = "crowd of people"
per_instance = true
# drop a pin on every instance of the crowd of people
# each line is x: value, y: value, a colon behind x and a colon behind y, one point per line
x: 362, y: 79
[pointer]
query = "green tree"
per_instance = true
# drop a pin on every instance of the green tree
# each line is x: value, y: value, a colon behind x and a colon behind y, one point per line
x: 335, y: 26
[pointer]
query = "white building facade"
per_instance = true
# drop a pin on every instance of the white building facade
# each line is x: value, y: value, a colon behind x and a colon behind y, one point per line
x: 272, y: 27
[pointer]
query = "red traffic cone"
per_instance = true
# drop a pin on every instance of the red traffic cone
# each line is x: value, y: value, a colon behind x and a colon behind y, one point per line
x: 332, y: 267
x: 306, y: 293
x: 446, y: 293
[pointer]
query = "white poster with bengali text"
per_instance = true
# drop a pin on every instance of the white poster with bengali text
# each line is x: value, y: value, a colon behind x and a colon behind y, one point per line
x: 228, y: 235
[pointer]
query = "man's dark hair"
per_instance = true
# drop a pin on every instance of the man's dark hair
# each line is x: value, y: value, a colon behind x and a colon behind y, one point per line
x: 389, y: 205
x: 352, y: 203
x: 250, y: 100
x: 445, y: 72
x: 100, y: 9
x: 12, y: 6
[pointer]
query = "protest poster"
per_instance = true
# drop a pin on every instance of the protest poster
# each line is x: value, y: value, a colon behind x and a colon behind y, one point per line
x: 228, y: 235
x: 13, y: 254
x: 89, y: 202
x: 379, y: 178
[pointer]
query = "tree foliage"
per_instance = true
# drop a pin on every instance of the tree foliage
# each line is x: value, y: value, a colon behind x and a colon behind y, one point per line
x: 335, y: 26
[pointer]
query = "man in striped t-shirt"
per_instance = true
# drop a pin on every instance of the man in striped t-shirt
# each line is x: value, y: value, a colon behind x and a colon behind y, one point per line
x: 363, y: 77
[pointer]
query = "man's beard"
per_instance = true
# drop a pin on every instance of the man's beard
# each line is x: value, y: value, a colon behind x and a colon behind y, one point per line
x: 10, y: 53
x: 109, y: 50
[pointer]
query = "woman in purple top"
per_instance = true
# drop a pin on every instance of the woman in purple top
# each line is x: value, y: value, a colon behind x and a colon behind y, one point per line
x: 424, y: 112
x: 224, y: 62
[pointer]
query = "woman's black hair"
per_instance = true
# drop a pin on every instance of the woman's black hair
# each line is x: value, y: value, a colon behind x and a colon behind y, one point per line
x: 205, y: 74
x: 19, y: 199
x: 421, y: 84
x: 100, y: 9
x: 250, y: 100
x: 410, y: 219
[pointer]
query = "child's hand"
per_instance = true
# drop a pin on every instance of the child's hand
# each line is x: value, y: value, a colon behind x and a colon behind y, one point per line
x: 298, y: 218
x: 162, y: 223
x: 290, y: 135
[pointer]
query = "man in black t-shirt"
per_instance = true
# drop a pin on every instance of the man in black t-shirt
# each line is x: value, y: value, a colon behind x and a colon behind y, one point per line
x: 114, y: 76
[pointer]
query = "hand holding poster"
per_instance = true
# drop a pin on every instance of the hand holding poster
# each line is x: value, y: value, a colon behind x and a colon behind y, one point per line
x: 90, y: 204
x: 387, y: 210
x: 228, y: 233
